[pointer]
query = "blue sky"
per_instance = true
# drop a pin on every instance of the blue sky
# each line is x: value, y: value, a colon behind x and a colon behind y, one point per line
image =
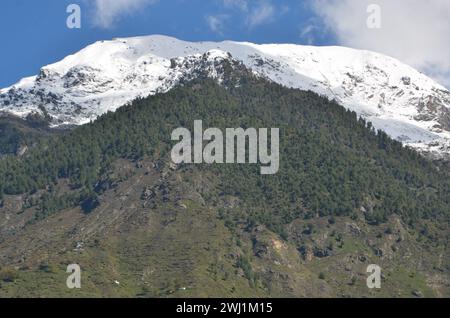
x: 34, y: 33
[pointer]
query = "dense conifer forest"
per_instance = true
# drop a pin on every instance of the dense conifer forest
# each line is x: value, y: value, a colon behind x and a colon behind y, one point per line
x: 331, y: 162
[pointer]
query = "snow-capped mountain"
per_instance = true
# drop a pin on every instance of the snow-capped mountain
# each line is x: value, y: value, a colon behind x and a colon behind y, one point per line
x: 396, y: 98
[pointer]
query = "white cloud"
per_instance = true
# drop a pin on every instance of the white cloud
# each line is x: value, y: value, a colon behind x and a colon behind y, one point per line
x: 254, y: 12
x: 307, y: 33
x: 262, y: 14
x: 416, y: 32
x: 240, y: 4
x: 108, y: 12
x: 217, y: 23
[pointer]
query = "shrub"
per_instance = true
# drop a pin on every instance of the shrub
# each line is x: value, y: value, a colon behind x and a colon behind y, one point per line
x: 8, y: 275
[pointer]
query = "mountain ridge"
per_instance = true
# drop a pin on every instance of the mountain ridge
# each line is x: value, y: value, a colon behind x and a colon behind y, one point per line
x: 105, y: 75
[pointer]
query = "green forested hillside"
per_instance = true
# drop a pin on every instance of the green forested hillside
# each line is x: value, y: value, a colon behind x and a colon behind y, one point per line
x: 106, y: 196
x: 332, y: 163
x: 16, y: 133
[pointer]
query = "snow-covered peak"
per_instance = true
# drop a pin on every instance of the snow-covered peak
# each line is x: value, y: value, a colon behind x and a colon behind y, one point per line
x: 103, y: 76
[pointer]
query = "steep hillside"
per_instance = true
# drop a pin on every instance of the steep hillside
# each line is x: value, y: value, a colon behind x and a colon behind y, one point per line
x: 106, y: 196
